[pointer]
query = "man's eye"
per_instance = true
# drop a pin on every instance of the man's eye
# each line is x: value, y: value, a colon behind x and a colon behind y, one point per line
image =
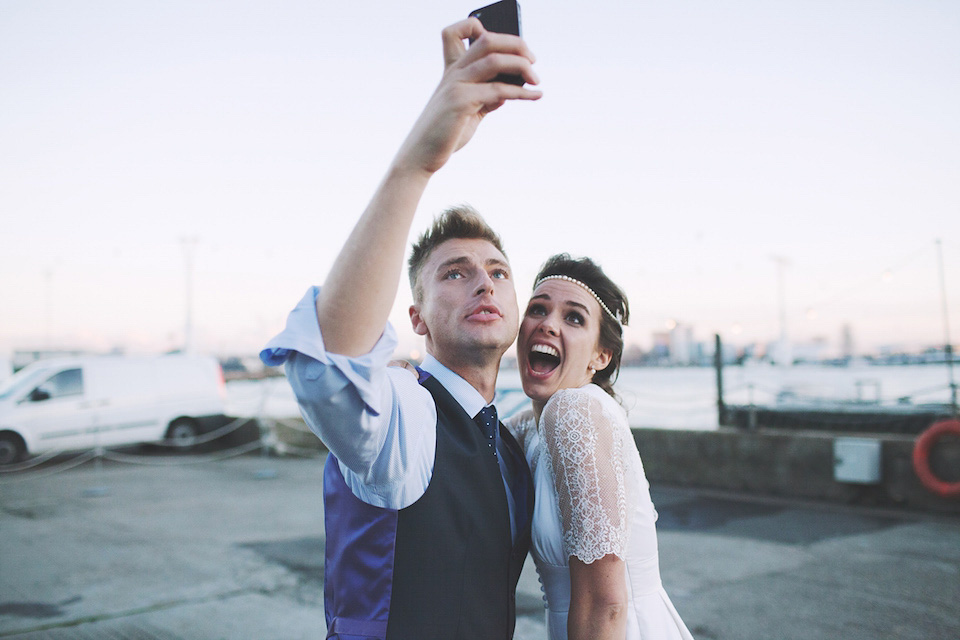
x: 501, y: 274
x: 453, y: 275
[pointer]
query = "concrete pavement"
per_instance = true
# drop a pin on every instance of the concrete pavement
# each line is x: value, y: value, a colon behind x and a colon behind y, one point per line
x: 173, y: 547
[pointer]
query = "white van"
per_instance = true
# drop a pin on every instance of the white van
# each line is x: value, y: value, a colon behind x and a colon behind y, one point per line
x: 85, y: 402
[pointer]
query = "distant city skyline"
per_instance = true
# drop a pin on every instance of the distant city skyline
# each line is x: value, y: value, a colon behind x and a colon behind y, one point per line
x: 741, y: 168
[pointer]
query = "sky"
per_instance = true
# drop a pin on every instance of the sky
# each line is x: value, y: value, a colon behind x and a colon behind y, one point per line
x: 730, y: 164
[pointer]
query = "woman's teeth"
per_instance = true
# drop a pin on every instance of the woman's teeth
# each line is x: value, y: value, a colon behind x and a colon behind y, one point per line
x: 543, y: 348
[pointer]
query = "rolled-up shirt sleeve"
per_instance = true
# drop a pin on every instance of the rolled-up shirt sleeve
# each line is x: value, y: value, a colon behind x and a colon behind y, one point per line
x: 377, y: 420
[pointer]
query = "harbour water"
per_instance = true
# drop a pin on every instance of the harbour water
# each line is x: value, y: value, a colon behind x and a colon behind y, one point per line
x: 686, y: 397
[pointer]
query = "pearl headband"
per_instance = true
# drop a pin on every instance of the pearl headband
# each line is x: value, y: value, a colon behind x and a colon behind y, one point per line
x: 580, y: 284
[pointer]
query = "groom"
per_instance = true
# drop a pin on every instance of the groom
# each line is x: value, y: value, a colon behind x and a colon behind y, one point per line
x: 428, y: 500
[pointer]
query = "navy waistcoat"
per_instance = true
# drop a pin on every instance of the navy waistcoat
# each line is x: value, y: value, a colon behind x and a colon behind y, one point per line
x: 445, y: 567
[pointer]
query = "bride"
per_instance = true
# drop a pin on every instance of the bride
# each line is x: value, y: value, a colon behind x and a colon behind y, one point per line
x: 594, y: 538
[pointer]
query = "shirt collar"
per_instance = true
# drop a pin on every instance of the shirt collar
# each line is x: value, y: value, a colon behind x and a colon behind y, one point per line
x: 462, y: 391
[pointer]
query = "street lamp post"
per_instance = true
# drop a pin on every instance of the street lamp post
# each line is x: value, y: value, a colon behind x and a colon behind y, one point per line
x: 948, y: 345
x: 784, y: 350
x: 188, y: 244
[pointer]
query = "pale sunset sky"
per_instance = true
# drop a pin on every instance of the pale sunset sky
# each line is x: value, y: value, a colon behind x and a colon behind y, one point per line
x: 693, y: 148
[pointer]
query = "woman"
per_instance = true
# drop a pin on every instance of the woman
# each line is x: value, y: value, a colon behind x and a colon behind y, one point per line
x: 594, y: 539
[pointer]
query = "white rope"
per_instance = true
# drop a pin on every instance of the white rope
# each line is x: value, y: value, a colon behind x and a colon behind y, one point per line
x: 32, y: 462
x: 70, y: 464
x: 290, y: 423
x: 219, y: 432
x: 180, y: 460
x: 927, y: 390
x: 303, y: 452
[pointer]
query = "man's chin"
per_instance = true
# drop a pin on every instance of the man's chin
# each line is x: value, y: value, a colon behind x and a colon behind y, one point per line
x: 486, y: 337
x: 484, y: 346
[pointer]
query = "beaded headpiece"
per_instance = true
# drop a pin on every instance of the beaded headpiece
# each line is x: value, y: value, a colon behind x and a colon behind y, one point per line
x: 580, y: 284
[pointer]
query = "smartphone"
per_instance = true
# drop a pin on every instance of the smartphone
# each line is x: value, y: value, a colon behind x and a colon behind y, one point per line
x: 502, y: 17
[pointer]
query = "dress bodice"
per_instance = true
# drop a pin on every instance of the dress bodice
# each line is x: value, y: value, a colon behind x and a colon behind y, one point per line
x: 593, y: 499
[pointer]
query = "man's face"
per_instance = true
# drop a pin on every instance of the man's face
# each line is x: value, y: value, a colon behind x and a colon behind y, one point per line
x: 468, y: 304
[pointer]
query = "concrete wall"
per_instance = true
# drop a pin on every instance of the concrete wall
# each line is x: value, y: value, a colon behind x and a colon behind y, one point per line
x: 796, y: 464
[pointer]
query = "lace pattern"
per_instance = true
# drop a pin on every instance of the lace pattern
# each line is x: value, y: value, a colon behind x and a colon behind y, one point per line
x: 522, y: 427
x: 584, y: 444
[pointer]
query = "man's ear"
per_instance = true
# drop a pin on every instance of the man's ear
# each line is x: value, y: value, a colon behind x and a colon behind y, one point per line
x: 416, y: 320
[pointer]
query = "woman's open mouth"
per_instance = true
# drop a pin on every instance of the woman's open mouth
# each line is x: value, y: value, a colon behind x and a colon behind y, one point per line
x: 543, y: 359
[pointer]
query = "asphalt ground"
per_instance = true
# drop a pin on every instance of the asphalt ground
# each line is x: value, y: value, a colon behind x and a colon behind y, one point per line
x: 156, y: 546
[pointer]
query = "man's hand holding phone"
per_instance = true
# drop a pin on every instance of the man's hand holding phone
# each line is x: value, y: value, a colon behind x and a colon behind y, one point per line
x: 467, y: 92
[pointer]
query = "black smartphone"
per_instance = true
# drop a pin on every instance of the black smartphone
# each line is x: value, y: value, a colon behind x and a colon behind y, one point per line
x: 502, y: 17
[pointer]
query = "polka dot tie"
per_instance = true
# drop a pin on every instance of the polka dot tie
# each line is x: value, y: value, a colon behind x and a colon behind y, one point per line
x: 487, y: 421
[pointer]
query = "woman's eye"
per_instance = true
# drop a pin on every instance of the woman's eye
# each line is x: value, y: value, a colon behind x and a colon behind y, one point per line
x: 575, y: 318
x: 536, y: 310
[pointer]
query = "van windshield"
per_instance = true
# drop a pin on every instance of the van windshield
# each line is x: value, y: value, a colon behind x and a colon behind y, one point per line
x: 22, y: 382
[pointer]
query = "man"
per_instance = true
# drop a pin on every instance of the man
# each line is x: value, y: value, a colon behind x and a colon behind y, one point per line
x: 427, y: 498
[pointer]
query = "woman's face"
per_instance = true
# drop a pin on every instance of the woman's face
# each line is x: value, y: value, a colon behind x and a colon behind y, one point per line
x: 559, y: 340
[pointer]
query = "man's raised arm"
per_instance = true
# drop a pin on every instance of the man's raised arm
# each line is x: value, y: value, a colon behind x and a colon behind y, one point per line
x: 355, y: 301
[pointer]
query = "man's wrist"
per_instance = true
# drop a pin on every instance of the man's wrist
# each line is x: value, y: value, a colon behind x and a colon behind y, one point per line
x: 404, y: 170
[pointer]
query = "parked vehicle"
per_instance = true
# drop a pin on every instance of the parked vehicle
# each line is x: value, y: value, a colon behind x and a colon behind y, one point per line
x: 85, y: 402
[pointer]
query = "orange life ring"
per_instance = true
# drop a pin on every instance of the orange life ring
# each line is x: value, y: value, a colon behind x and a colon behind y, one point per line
x: 921, y: 459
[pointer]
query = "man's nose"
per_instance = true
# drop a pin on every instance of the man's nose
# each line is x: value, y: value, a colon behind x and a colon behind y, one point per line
x: 486, y: 284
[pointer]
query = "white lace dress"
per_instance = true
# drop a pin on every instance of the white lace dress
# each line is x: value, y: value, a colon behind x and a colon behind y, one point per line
x: 593, y: 499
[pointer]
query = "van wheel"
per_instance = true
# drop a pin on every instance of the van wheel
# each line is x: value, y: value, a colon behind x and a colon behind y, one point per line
x: 183, y: 433
x: 12, y: 448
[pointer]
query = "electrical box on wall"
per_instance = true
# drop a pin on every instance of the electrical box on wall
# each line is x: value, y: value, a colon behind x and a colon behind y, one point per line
x: 856, y: 460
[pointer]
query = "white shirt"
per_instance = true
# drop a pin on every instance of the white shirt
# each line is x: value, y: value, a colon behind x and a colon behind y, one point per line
x: 377, y: 420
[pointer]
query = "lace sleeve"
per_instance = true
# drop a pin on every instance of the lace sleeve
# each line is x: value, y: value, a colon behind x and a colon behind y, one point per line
x: 585, y: 457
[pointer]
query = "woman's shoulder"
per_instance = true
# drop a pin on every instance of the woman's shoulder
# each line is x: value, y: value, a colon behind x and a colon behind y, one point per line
x: 586, y: 391
x: 586, y: 404
x: 520, y: 425
x: 585, y: 396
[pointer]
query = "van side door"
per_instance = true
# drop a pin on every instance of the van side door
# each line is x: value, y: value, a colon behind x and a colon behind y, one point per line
x: 57, y: 413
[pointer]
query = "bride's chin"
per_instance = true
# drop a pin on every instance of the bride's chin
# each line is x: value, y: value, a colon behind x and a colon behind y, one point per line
x: 534, y: 391
x: 526, y: 385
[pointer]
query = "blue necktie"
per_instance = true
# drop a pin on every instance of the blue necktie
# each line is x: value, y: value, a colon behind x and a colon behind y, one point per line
x: 490, y: 426
x: 487, y: 421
